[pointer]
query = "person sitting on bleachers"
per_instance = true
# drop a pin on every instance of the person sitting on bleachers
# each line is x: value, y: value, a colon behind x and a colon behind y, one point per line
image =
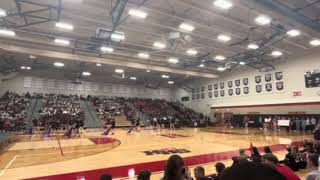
x: 255, y: 155
x: 313, y: 163
x: 251, y: 171
x: 199, y: 173
x: 219, y: 168
x: 273, y: 161
x: 175, y: 169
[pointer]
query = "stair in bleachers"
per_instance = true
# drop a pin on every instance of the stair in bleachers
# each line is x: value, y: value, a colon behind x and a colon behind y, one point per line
x: 33, y: 111
x: 92, y: 120
x: 122, y: 121
x: 29, y: 112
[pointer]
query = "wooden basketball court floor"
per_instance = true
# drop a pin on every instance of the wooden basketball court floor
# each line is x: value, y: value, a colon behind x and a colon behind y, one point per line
x: 121, y: 154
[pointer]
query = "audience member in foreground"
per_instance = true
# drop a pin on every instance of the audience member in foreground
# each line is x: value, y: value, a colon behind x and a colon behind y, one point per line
x: 251, y: 171
x: 144, y: 175
x: 267, y: 149
x: 219, y: 168
x: 199, y: 173
x: 106, y: 177
x: 255, y: 155
x: 313, y: 163
x: 175, y: 169
x: 273, y: 161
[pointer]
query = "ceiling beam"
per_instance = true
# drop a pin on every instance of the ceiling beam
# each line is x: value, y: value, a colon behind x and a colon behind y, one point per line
x: 108, y: 61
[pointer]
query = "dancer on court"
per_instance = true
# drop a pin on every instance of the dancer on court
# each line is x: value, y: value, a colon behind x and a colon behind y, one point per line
x: 171, y: 124
x: 109, y: 126
x: 135, y: 125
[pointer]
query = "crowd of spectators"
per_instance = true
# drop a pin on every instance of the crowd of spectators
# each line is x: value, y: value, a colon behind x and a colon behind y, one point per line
x: 108, y: 106
x: 296, y: 123
x: 13, y: 108
x: 162, y: 110
x: 60, y: 111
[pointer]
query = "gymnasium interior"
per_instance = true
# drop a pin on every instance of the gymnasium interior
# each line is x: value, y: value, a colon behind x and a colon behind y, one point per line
x: 159, y: 89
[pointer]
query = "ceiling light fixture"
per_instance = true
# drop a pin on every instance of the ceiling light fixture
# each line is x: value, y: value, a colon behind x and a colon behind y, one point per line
x: 165, y: 76
x: 63, y: 42
x: 3, y: 13
x: 117, y: 36
x: 173, y: 60
x: 223, y: 4
x: 170, y: 82
x: 242, y: 63
x: 98, y: 64
x: 263, y: 20
x: 32, y: 57
x: 86, y: 73
x: 315, y: 42
x: 192, y: 52
x: 133, y: 78
x: 186, y: 27
x: 119, y: 70
x: 7, y: 32
x: 219, y: 58
x: 138, y: 13
x: 221, y: 68
x: 22, y: 67
x: 201, y: 65
x: 106, y: 49
x: 148, y: 70
x: 293, y: 32
x: 64, y: 25
x: 253, y: 46
x: 159, y: 45
x: 58, y: 64
x: 28, y: 67
x: 143, y: 55
x: 276, y: 53
x: 224, y: 38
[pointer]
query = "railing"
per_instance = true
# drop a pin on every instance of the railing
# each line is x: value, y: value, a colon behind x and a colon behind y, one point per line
x: 34, y: 103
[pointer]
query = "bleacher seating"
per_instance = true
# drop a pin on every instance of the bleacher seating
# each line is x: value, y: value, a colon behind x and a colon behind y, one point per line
x: 13, y: 111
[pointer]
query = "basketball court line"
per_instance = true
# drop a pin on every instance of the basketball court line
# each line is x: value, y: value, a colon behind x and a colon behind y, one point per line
x: 8, y: 165
x: 64, y: 152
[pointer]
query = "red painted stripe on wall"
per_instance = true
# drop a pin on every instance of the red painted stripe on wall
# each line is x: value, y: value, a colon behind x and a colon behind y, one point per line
x: 269, y: 105
x: 156, y: 166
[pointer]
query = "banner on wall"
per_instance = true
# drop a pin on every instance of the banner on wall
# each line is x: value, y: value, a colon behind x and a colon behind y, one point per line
x: 222, y: 85
x: 269, y: 87
x: 215, y: 86
x: 279, y: 86
x: 312, y: 78
x: 237, y: 82
x: 258, y: 79
x: 278, y: 76
x: 246, y: 90
x: 267, y: 77
x: 222, y: 93
x: 245, y: 81
x: 258, y: 88
x: 238, y: 91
